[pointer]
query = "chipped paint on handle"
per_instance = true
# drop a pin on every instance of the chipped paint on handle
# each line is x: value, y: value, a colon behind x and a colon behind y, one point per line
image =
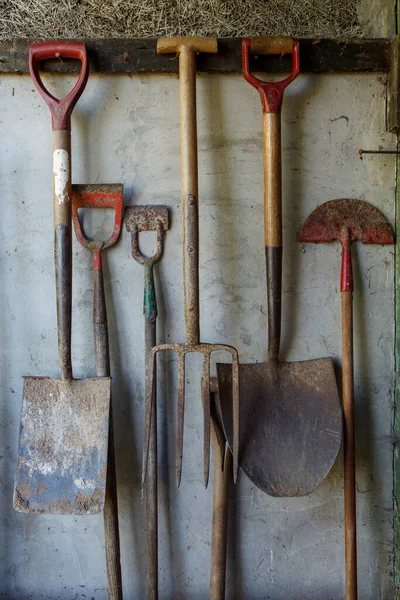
x: 61, y: 175
x: 150, y: 300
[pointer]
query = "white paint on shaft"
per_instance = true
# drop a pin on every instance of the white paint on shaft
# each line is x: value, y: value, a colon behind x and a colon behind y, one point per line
x: 61, y: 174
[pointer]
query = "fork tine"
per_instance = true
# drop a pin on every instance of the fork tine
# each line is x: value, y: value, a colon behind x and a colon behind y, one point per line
x: 180, y: 416
x: 235, y: 408
x: 148, y: 409
x: 206, y: 415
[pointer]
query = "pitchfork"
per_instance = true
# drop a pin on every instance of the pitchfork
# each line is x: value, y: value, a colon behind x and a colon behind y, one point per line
x: 187, y: 48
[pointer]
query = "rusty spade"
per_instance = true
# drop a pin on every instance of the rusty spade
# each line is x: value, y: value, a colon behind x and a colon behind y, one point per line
x: 62, y: 458
x: 137, y: 219
x: 290, y: 414
x: 187, y: 48
x: 347, y: 221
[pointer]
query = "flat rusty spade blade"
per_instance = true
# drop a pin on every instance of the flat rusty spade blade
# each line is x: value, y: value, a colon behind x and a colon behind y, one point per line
x: 290, y: 414
x: 290, y: 423
x: 62, y: 460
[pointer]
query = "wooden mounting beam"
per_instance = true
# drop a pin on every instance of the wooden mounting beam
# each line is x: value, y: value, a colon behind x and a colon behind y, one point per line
x: 140, y: 56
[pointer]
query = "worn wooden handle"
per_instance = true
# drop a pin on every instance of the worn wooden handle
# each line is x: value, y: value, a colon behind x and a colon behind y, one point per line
x: 271, y: 44
x: 102, y: 360
x: 150, y: 333
x: 63, y: 245
x: 62, y: 188
x: 273, y: 228
x: 220, y: 523
x: 222, y: 470
x: 189, y: 176
x: 349, y: 446
x: 111, y: 528
x: 272, y: 180
x: 171, y: 45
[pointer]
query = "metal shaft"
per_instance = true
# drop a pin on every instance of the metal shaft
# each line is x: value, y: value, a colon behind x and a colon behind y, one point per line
x: 349, y: 446
x: 111, y: 529
x: 150, y: 337
x: 190, y: 216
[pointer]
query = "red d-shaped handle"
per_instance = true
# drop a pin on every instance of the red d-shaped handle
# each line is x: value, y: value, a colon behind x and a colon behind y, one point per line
x: 271, y: 93
x: 62, y: 108
x: 97, y: 196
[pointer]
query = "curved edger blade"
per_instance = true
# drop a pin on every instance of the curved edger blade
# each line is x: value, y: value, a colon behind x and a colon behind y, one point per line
x: 365, y: 223
x: 290, y: 423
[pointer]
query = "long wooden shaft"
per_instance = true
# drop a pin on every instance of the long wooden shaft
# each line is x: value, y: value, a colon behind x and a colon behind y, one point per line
x: 62, y: 194
x: 349, y: 446
x: 190, y: 211
x: 110, y: 513
x: 273, y: 227
x: 111, y: 527
x: 151, y: 478
x: 222, y: 473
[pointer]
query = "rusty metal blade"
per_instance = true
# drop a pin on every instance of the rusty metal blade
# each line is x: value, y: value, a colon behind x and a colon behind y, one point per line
x: 146, y: 218
x: 62, y: 459
x: 365, y: 223
x: 290, y: 423
x: 180, y: 416
x: 205, y: 383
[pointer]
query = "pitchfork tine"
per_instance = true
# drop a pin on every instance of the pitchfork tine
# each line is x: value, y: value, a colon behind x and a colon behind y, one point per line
x: 180, y: 416
x: 206, y: 413
x: 148, y: 410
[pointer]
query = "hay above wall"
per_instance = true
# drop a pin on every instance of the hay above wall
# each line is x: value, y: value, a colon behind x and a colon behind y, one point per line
x: 153, y: 18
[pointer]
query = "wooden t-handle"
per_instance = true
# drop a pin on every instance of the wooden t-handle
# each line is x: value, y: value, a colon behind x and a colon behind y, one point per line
x: 171, y: 45
x: 271, y: 44
x: 187, y: 47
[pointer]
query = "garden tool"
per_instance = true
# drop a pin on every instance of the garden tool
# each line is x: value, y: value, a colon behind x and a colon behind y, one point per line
x: 222, y: 467
x: 290, y: 414
x: 62, y: 460
x: 137, y: 219
x: 347, y: 221
x: 187, y: 47
x: 103, y: 196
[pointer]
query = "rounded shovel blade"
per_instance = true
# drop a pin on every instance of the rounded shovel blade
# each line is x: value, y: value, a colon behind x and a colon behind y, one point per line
x: 290, y: 423
x: 62, y: 456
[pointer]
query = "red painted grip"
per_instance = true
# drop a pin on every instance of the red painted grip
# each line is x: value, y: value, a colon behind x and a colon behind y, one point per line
x: 61, y: 109
x: 271, y: 93
x: 100, y: 198
x: 346, y: 273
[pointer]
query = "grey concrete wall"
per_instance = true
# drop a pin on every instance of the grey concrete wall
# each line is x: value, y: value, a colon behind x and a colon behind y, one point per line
x: 377, y: 18
x: 125, y: 129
